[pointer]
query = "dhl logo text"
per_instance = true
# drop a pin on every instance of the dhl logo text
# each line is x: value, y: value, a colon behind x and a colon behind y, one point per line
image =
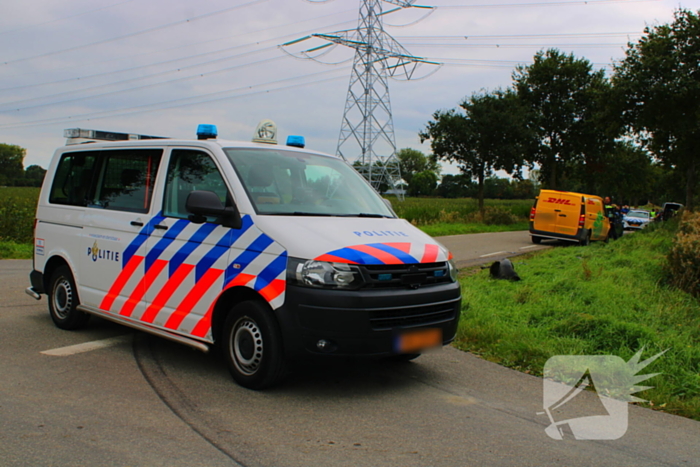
x: 560, y: 201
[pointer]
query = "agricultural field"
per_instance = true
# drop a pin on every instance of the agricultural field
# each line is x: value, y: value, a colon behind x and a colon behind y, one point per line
x: 442, y: 216
x: 427, y: 211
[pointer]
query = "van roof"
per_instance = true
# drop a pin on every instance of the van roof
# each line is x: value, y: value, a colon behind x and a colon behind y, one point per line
x: 570, y: 193
x: 167, y: 142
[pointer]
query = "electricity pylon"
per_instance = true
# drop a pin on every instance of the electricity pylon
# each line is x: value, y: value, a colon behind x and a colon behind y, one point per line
x: 367, y: 129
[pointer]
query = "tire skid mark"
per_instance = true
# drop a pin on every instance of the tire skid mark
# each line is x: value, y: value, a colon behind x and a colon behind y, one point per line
x: 176, y: 400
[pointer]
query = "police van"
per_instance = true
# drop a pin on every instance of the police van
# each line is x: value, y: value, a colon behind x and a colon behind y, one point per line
x: 270, y: 252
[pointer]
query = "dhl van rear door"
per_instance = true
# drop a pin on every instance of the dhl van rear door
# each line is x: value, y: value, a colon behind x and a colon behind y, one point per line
x: 567, y: 209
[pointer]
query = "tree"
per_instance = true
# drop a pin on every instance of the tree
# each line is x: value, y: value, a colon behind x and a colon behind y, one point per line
x: 658, y: 84
x: 412, y: 161
x: 565, y: 98
x: 423, y: 183
x: 625, y: 173
x: 488, y: 136
x: 11, y: 163
x: 455, y: 186
x: 523, y: 189
x: 34, y: 175
x: 498, y: 188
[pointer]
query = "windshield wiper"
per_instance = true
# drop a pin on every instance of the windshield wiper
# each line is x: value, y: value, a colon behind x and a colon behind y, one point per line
x: 302, y: 213
x: 325, y: 214
x: 365, y: 214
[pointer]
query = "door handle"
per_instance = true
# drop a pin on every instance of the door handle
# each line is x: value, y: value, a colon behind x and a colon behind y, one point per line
x: 137, y: 223
x: 160, y: 227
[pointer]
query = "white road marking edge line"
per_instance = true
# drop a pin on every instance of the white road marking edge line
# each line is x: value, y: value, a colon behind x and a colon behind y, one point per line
x: 492, y: 254
x: 86, y: 346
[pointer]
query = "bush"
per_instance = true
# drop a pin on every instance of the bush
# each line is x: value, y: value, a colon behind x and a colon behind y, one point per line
x: 17, y: 213
x: 684, y: 258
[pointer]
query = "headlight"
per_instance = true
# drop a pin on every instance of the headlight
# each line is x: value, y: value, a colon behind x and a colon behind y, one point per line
x: 453, y: 270
x: 312, y: 273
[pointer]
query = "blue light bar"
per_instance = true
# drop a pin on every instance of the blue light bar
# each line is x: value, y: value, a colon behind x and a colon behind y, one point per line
x: 296, y: 141
x: 205, y: 131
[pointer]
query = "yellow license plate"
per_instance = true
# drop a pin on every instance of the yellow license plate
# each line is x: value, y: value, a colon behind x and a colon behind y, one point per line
x: 414, y: 341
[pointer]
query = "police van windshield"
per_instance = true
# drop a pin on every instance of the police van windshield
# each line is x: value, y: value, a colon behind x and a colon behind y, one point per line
x: 303, y: 184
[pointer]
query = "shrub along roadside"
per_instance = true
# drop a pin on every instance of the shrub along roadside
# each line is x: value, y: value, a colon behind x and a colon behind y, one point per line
x: 684, y: 257
x: 597, y: 300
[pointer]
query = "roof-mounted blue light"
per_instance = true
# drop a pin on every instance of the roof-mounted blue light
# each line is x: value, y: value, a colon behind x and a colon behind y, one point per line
x: 296, y: 141
x: 205, y: 131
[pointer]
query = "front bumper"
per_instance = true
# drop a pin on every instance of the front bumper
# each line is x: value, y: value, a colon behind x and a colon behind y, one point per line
x: 634, y: 226
x: 364, y: 322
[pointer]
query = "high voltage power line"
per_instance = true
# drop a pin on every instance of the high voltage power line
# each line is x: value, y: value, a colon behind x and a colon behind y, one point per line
x: 243, y: 91
x: 338, y: 39
x: 133, y: 34
x: 63, y: 18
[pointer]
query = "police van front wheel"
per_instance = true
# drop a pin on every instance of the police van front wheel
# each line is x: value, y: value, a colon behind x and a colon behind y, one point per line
x: 63, y: 300
x: 252, y: 345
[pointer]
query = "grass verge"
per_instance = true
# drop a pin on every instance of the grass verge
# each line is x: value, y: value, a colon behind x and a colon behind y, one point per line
x: 12, y: 250
x: 604, y: 299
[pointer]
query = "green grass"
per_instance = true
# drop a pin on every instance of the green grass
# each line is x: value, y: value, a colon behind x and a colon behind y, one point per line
x: 12, y: 250
x: 596, y: 300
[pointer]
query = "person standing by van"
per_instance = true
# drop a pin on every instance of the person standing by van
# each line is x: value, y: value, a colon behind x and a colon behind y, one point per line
x: 612, y: 212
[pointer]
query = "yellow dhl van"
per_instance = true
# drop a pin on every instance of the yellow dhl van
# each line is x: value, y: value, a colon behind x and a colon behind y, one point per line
x: 565, y: 215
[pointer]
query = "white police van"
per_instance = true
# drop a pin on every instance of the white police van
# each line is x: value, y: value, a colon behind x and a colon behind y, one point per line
x: 270, y: 252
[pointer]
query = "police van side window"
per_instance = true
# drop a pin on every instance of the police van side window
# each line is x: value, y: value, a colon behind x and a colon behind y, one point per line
x: 188, y: 171
x: 126, y: 179
x: 73, y: 180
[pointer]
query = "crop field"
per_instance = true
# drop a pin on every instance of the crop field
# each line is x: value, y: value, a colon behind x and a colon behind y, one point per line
x: 426, y: 211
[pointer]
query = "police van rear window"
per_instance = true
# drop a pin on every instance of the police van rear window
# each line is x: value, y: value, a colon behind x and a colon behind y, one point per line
x: 120, y: 180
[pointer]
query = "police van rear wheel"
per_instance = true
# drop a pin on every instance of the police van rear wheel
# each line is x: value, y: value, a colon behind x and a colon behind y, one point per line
x: 63, y: 300
x: 252, y: 345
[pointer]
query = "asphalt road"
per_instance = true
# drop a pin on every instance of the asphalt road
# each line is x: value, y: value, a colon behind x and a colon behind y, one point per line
x: 475, y: 249
x: 125, y: 399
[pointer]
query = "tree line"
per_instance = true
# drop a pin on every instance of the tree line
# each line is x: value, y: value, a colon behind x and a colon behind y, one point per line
x: 633, y: 136
x: 12, y: 171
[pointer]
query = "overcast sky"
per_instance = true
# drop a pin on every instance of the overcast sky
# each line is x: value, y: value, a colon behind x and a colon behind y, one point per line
x: 161, y: 67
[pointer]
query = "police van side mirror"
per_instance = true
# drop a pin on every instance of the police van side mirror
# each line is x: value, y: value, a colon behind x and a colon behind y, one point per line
x: 207, y: 203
